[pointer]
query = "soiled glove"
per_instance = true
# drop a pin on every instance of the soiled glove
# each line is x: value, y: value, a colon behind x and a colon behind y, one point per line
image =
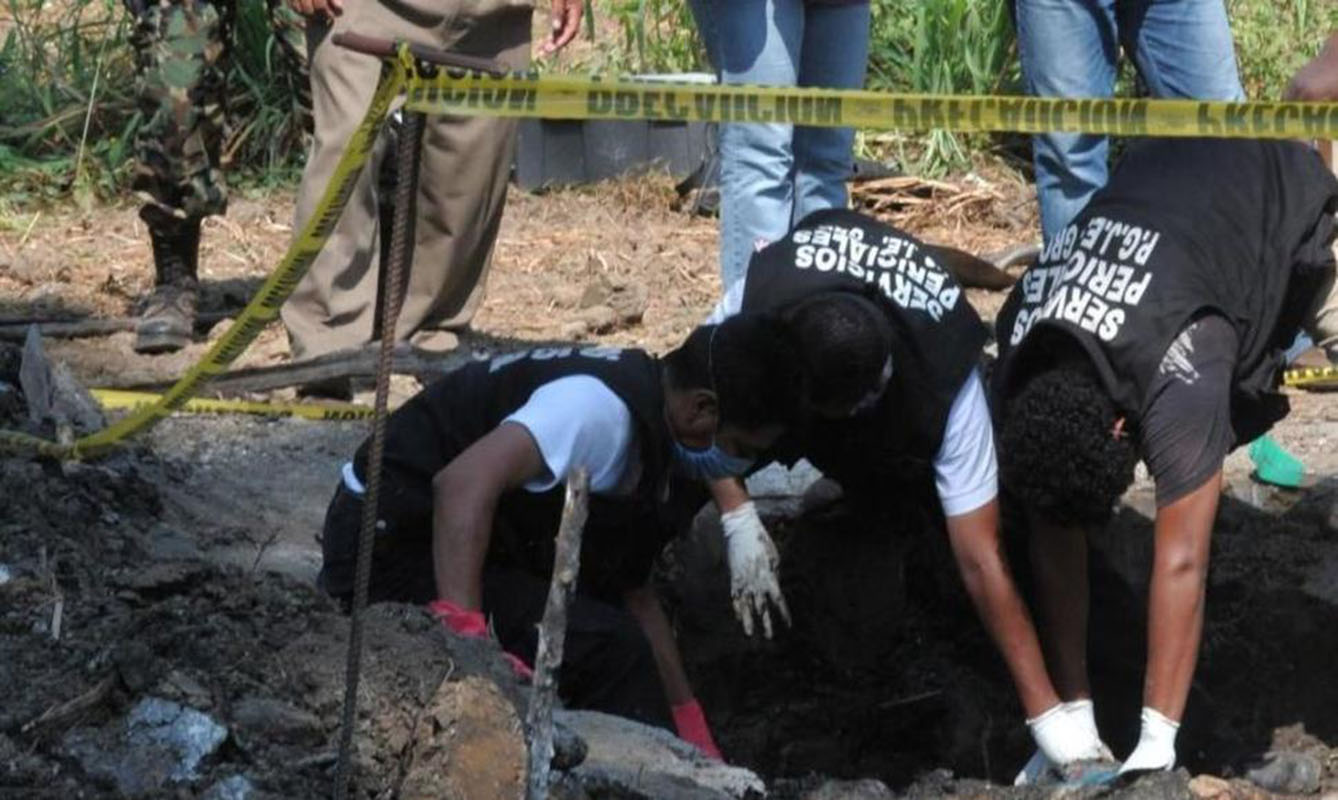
x: 1156, y: 744
x: 1040, y: 768
x: 1064, y: 738
x: 464, y: 622
x: 752, y: 562
x: 692, y: 728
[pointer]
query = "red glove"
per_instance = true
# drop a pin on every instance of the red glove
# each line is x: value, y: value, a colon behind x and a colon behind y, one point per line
x: 471, y: 624
x: 691, y: 725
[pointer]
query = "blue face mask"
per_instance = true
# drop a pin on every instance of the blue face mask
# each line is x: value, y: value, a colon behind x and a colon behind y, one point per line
x: 709, y: 464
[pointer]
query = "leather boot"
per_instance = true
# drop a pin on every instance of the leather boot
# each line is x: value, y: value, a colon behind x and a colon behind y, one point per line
x: 168, y: 319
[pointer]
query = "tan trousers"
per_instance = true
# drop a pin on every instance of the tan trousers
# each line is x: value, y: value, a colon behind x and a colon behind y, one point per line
x: 1322, y: 321
x: 466, y: 162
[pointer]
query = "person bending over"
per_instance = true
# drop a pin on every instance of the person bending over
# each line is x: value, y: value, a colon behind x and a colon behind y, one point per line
x: 1154, y: 327
x: 472, y: 493
x: 888, y: 347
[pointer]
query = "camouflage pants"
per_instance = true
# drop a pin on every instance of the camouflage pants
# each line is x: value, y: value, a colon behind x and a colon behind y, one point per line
x: 181, y: 65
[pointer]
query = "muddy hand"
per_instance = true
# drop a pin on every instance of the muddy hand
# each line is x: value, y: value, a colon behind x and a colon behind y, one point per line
x: 752, y: 560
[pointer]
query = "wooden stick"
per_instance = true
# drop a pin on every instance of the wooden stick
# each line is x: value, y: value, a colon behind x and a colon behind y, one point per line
x: 553, y: 631
x: 15, y: 330
x: 72, y: 708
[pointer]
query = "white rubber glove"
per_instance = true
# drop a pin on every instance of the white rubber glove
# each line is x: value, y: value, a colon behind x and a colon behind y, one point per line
x: 752, y: 562
x: 1156, y: 744
x: 1039, y: 768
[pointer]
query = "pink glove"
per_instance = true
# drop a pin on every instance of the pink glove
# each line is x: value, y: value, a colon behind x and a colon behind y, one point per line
x: 471, y: 624
x: 691, y: 725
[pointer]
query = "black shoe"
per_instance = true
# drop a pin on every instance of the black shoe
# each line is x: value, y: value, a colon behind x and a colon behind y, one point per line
x: 168, y: 320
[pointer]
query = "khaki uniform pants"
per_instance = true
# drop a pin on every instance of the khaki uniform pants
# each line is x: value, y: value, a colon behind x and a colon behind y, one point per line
x: 1322, y: 321
x: 465, y: 165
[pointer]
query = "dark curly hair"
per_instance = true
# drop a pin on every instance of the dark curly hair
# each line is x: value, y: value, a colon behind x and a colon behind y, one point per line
x: 844, y: 342
x: 1057, y: 453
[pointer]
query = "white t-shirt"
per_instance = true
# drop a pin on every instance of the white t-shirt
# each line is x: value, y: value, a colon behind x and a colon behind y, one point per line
x: 965, y: 470
x: 579, y: 421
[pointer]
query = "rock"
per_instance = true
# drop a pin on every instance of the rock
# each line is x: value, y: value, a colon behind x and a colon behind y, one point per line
x: 1287, y: 773
x: 629, y: 759
x: 1153, y: 786
x: 238, y: 787
x: 777, y: 480
x: 597, y: 292
x: 1210, y: 787
x: 621, y: 303
x: 629, y: 301
x: 574, y: 329
x: 851, y: 790
x: 266, y: 718
x: 599, y: 319
x: 467, y: 744
x: 157, y: 743
x: 56, y: 400
x: 569, y: 750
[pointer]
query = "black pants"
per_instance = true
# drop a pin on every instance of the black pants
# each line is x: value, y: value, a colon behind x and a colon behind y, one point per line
x: 607, y: 661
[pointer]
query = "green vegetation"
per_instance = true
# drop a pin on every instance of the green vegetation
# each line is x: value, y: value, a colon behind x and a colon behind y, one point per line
x: 67, y: 113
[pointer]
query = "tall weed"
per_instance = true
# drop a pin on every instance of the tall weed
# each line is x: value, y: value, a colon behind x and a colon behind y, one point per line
x: 68, y: 114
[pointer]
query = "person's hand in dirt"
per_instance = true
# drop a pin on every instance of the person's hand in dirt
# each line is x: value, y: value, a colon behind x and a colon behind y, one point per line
x: 471, y: 624
x: 566, y: 21
x: 1066, y: 740
x: 311, y: 8
x: 1156, y: 744
x: 690, y: 722
x: 1040, y: 769
x: 752, y: 560
x: 1317, y: 80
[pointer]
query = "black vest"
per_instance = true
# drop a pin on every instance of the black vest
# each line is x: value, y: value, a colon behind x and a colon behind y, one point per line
x: 623, y: 534
x: 937, y: 338
x: 1241, y: 228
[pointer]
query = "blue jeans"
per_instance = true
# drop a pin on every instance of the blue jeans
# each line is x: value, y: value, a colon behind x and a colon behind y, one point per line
x: 771, y: 176
x: 1069, y: 48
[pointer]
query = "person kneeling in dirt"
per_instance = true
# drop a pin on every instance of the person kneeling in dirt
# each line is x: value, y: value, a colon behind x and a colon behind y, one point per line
x: 1154, y: 326
x: 889, y: 347
x: 472, y: 493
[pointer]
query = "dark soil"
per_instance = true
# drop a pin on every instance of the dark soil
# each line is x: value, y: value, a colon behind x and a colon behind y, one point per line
x: 887, y: 673
x: 259, y: 652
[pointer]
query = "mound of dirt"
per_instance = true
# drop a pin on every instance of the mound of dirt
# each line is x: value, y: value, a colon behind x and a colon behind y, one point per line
x: 127, y: 673
x: 888, y: 674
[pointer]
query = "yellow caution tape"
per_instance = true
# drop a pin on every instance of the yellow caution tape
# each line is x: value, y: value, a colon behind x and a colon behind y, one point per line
x: 263, y: 308
x: 593, y: 97
x: 526, y: 94
x: 117, y: 399
x: 1311, y: 377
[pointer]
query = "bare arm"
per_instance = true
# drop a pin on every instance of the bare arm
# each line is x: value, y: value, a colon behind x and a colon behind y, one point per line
x: 1317, y: 80
x: 1176, y: 598
x: 566, y: 23
x: 975, y: 544
x: 729, y: 494
x: 645, y: 607
x: 1058, y: 557
x: 464, y: 499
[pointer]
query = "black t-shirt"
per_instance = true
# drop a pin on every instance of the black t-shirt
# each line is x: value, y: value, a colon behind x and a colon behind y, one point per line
x: 1237, y: 228
x: 1186, y: 426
